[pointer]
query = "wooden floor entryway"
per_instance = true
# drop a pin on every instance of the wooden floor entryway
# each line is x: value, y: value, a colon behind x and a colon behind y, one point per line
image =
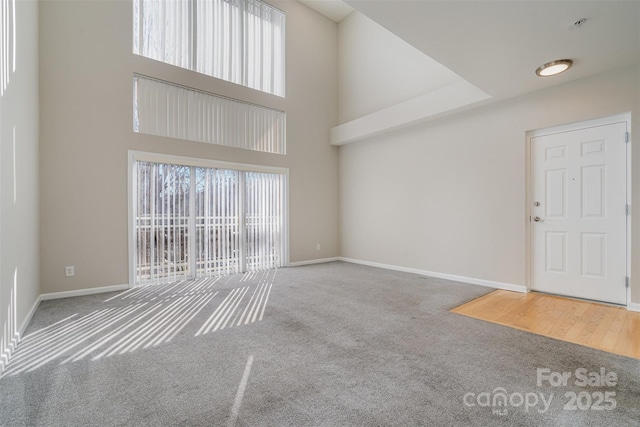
x: 600, y: 326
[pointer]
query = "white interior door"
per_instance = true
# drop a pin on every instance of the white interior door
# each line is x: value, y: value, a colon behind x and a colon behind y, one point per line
x: 578, y: 217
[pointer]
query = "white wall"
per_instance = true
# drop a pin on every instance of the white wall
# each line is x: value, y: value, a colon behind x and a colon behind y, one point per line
x: 86, y: 68
x: 449, y: 196
x: 19, y: 262
x: 377, y: 69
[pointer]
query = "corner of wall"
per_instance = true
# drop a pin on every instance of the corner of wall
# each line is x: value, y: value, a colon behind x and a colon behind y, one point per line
x: 19, y: 171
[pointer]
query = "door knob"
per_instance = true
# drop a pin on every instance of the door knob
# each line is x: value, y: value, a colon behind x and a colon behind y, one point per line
x: 537, y: 219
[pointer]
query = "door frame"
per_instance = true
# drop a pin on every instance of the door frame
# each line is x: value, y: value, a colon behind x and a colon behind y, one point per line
x: 529, y: 135
x: 135, y: 156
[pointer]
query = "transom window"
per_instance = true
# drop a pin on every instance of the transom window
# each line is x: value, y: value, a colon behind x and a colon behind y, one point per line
x: 240, y: 41
x: 165, y: 109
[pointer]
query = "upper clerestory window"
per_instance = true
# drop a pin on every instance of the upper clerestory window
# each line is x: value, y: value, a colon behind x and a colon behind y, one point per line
x: 240, y: 41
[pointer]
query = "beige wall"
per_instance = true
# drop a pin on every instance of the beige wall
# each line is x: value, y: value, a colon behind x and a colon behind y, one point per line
x: 19, y: 260
x: 86, y: 68
x: 449, y: 196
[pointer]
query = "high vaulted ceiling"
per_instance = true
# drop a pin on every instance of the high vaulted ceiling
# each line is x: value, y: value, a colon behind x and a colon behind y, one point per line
x: 497, y: 45
x: 494, y: 46
x: 335, y: 10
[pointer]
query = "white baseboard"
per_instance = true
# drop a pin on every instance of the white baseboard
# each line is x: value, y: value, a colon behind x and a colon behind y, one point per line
x: 82, y: 292
x: 632, y: 306
x: 471, y: 280
x: 313, y: 261
x: 27, y: 319
x: 6, y: 356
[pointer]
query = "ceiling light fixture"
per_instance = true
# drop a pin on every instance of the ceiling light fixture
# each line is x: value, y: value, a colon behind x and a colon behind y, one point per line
x: 554, y: 67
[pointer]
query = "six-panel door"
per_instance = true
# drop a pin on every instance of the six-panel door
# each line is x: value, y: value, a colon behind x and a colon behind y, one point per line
x: 578, y: 213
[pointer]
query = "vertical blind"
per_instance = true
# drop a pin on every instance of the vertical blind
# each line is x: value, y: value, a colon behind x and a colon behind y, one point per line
x: 164, y: 109
x: 241, y: 41
x: 263, y: 219
x: 163, y: 30
x: 233, y: 223
x: 217, y: 216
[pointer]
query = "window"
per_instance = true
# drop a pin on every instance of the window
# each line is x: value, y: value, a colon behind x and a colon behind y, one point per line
x: 198, y: 220
x: 165, y: 109
x: 240, y: 41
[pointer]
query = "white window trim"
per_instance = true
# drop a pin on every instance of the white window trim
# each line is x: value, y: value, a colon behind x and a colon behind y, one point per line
x: 143, y: 156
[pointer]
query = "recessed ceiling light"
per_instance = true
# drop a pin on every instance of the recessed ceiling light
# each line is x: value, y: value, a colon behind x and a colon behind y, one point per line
x: 554, y: 67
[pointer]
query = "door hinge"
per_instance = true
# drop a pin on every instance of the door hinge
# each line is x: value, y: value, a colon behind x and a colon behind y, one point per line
x: 627, y: 210
x: 626, y: 137
x: 626, y: 282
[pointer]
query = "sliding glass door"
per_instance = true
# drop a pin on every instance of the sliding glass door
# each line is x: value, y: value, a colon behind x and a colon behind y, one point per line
x: 263, y: 219
x: 218, y: 248
x: 192, y: 221
x: 162, y: 221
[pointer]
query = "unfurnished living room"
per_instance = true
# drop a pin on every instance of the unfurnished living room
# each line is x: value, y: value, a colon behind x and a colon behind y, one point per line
x: 319, y: 212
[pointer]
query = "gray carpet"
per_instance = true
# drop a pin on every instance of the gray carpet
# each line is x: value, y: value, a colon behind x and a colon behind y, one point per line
x: 331, y: 344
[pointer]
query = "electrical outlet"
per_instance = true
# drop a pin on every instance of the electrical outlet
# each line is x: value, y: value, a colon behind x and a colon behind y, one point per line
x: 70, y: 270
x: 318, y: 247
